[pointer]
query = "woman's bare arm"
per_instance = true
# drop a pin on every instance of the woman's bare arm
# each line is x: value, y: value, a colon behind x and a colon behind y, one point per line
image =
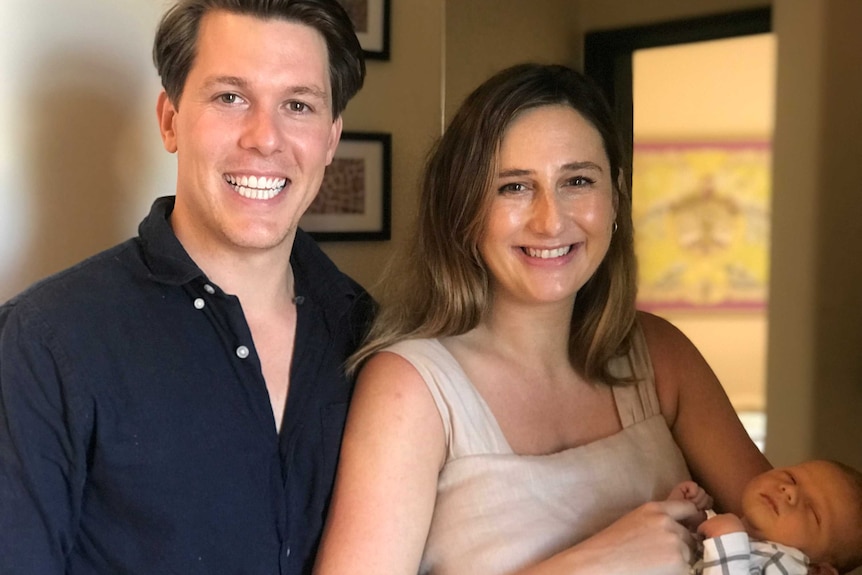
x: 721, y: 456
x: 386, y: 485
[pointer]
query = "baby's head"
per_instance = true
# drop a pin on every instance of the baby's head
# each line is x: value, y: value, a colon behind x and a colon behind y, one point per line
x: 815, y: 506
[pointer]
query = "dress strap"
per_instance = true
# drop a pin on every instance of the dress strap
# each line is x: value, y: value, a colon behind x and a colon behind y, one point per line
x: 636, y: 401
x: 468, y: 423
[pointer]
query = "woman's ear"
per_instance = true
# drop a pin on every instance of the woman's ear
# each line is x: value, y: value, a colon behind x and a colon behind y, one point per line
x: 621, y: 189
x: 821, y: 569
x: 618, y: 191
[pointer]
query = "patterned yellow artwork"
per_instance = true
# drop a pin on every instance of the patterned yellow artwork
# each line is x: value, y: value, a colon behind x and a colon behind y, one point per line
x: 701, y: 214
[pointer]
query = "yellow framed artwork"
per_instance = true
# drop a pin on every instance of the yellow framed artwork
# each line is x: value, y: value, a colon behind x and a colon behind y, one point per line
x: 702, y: 224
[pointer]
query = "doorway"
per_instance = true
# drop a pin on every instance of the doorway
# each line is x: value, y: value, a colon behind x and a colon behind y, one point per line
x: 695, y: 100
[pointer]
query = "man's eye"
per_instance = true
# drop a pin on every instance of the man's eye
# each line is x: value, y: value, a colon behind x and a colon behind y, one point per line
x: 297, y: 106
x: 580, y: 181
x: 229, y: 98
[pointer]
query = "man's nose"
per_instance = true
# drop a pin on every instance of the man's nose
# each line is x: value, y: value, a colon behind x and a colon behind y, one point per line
x: 262, y: 131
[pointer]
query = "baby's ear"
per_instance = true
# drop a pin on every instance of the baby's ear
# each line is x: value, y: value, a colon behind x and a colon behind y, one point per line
x: 822, y: 569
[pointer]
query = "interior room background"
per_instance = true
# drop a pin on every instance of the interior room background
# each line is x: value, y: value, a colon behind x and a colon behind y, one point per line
x: 81, y: 159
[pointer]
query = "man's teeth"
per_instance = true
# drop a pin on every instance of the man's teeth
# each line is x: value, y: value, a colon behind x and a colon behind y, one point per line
x: 256, y: 188
x: 547, y: 254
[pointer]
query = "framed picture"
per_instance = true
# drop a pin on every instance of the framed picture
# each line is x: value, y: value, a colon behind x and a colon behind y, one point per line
x: 702, y: 218
x: 354, y: 200
x: 371, y: 22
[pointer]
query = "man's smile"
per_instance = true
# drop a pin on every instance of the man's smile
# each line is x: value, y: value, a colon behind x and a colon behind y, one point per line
x: 256, y: 188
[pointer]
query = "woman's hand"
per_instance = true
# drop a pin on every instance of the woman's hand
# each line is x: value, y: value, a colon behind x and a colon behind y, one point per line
x: 650, y: 540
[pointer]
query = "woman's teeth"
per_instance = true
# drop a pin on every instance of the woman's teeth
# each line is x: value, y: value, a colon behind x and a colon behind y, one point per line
x: 548, y: 254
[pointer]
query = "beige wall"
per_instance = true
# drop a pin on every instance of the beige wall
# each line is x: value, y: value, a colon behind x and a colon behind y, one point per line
x: 699, y: 92
x: 608, y: 14
x: 815, y: 371
x: 402, y: 96
x: 485, y: 36
x: 80, y: 154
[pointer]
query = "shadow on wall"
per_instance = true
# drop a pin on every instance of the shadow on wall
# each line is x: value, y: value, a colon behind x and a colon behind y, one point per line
x: 77, y: 121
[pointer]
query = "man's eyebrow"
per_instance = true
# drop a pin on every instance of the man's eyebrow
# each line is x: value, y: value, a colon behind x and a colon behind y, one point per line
x: 225, y: 80
x: 310, y: 91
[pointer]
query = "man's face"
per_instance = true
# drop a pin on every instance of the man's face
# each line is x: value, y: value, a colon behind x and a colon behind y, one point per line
x: 253, y: 133
x: 808, y: 506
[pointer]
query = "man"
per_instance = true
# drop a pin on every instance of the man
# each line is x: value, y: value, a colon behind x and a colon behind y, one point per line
x: 176, y: 403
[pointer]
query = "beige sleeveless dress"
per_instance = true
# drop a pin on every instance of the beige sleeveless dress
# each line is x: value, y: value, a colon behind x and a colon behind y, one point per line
x: 497, y: 511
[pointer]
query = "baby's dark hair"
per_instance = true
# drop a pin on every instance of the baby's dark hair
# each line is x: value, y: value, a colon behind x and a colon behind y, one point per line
x: 846, y: 562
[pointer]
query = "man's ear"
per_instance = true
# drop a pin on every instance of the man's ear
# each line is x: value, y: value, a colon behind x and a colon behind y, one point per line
x: 821, y: 569
x: 167, y: 113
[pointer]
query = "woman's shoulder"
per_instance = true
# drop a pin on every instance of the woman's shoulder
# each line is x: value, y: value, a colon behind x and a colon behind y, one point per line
x: 405, y: 362
x: 674, y: 358
x: 659, y: 331
x: 390, y: 385
x: 412, y: 345
x: 669, y: 348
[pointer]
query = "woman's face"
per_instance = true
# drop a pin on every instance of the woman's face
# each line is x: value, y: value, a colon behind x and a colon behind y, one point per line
x: 553, y: 210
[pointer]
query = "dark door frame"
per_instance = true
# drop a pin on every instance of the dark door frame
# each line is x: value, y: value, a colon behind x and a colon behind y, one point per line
x: 608, y: 55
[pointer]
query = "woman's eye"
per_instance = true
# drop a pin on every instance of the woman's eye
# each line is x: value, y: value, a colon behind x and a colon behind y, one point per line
x: 513, y: 187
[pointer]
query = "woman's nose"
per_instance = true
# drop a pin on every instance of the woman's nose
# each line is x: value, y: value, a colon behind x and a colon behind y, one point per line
x: 547, y: 213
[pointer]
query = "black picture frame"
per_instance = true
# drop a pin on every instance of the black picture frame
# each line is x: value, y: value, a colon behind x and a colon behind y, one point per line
x: 371, y: 20
x: 354, y: 202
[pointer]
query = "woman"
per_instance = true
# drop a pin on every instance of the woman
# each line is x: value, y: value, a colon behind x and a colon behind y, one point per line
x: 514, y: 413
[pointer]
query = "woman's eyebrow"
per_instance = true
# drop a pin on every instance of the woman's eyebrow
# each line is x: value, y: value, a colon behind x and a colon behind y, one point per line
x: 587, y: 165
x: 514, y: 172
x: 571, y: 166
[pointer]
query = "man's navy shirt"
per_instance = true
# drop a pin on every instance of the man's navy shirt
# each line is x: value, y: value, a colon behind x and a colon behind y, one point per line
x: 136, y: 432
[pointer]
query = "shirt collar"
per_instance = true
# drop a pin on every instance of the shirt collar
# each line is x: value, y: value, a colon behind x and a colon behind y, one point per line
x: 165, y: 256
x: 318, y: 278
x: 315, y: 274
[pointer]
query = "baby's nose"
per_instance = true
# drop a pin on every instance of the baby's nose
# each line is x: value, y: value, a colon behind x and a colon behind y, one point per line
x: 790, y: 494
